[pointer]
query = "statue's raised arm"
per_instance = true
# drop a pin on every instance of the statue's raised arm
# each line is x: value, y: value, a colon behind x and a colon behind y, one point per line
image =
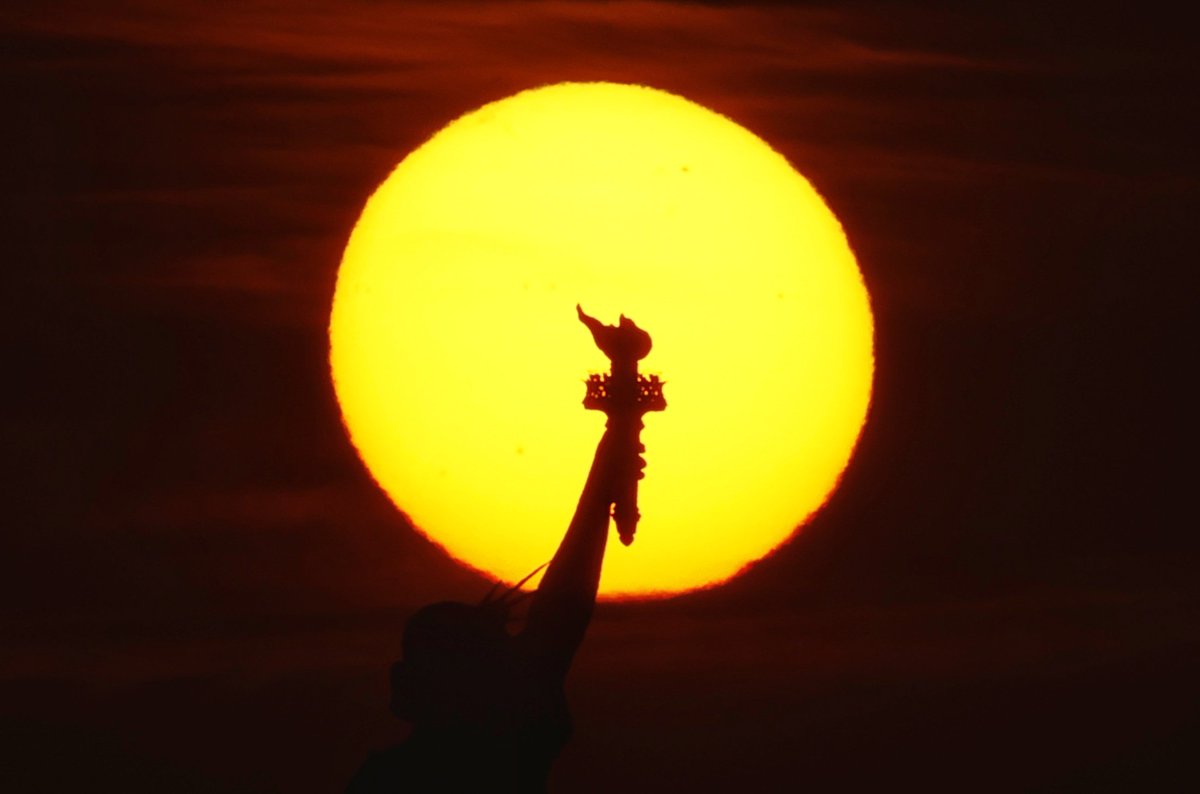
x: 564, y: 601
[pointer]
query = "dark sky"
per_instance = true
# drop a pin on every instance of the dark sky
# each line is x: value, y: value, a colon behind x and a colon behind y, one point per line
x: 204, y: 588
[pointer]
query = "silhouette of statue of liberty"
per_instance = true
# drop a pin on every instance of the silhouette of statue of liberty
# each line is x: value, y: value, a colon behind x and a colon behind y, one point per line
x: 487, y: 707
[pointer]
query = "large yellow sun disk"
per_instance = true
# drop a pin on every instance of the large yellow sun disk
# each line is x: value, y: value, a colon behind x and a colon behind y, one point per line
x: 458, y: 361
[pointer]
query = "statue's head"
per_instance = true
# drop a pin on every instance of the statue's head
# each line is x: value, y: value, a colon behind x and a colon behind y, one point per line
x: 451, y: 652
x: 454, y: 654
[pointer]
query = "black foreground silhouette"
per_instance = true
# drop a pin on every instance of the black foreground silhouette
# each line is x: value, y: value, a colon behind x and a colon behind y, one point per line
x: 487, y: 707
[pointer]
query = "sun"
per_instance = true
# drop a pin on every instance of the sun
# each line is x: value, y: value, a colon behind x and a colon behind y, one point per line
x: 459, y: 364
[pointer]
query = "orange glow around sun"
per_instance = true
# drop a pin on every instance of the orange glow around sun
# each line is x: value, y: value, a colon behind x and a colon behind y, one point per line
x: 459, y: 363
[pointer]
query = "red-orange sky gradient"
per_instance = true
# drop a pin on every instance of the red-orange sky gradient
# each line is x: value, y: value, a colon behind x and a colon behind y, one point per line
x: 204, y: 588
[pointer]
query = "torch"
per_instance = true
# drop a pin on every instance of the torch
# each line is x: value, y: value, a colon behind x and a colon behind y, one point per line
x: 625, y: 396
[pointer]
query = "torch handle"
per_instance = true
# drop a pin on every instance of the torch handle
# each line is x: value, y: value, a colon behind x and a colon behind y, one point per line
x: 629, y: 470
